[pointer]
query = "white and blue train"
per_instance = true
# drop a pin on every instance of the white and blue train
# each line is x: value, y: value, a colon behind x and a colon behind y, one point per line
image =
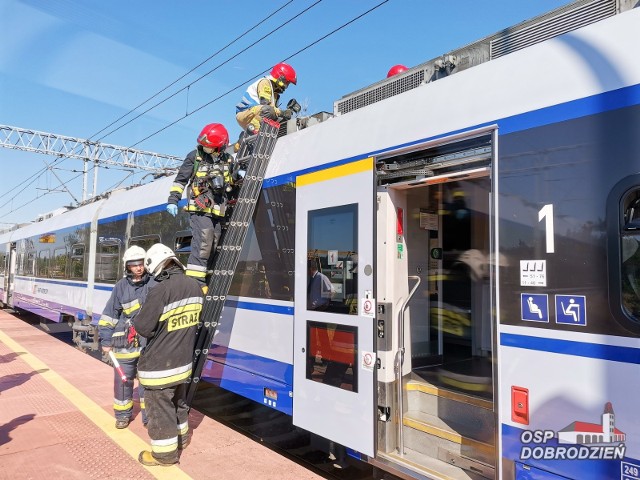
x: 478, y: 218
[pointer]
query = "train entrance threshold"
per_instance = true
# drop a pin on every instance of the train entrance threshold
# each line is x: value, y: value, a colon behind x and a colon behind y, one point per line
x: 56, y: 420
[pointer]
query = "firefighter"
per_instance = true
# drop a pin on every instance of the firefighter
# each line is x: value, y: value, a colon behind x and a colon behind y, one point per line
x: 168, y: 320
x: 261, y: 99
x: 206, y: 172
x: 116, y: 332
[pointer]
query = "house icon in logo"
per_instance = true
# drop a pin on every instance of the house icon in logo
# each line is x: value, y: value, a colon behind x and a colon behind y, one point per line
x: 584, y: 433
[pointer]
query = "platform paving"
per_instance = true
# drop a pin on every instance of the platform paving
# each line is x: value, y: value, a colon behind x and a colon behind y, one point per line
x: 56, y: 421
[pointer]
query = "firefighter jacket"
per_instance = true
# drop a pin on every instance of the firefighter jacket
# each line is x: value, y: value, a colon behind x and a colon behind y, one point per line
x: 207, y: 180
x: 260, y: 92
x: 169, y: 320
x: 114, y: 326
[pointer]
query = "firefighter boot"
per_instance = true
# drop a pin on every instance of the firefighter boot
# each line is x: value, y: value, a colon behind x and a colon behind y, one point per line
x: 147, y: 458
x: 122, y: 423
x: 184, y: 441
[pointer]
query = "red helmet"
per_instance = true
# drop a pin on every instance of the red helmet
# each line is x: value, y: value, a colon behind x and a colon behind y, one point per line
x: 214, y: 136
x: 396, y: 69
x: 283, y: 72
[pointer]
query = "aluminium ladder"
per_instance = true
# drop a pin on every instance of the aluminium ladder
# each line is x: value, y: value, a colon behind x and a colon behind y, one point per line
x: 253, y: 155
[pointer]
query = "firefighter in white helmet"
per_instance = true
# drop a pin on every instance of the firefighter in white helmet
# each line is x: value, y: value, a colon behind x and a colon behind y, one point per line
x: 169, y: 320
x: 117, y: 334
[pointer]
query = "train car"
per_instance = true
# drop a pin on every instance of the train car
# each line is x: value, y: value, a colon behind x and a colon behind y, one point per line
x: 475, y: 222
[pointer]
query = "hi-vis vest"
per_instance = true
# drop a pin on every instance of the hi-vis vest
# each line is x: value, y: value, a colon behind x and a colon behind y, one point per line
x: 206, y: 191
x: 253, y: 93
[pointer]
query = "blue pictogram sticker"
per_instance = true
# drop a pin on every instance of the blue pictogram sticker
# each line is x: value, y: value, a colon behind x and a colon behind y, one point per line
x: 534, y: 307
x: 571, y: 309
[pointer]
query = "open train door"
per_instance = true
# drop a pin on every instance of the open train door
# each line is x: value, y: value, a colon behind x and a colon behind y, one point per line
x: 334, y: 357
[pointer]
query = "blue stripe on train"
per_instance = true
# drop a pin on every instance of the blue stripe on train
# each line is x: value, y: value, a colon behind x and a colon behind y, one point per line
x: 600, y: 103
x: 106, y: 288
x: 569, y: 347
x: 250, y: 376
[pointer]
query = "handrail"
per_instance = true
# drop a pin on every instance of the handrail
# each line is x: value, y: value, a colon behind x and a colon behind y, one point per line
x: 399, y: 361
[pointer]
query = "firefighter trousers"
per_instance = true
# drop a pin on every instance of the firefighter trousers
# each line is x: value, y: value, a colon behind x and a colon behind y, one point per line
x: 123, y: 391
x: 204, y: 236
x: 168, y: 425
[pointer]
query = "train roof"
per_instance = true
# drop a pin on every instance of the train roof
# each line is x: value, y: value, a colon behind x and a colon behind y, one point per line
x: 581, y: 64
x: 115, y: 203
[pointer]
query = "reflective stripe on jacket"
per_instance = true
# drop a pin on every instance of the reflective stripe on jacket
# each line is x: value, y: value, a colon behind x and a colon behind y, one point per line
x: 187, y: 177
x: 123, y: 305
x: 256, y: 92
x: 169, y: 320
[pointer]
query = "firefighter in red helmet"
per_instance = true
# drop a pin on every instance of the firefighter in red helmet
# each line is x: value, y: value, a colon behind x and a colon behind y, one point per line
x: 206, y: 175
x: 261, y: 98
x: 396, y: 69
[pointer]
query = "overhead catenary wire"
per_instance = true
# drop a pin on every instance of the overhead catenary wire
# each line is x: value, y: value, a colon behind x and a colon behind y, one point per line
x: 41, y: 171
x: 261, y: 73
x: 186, y: 87
x: 22, y: 183
x: 187, y: 114
x: 194, y: 68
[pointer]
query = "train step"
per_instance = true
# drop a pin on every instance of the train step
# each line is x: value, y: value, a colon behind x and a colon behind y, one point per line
x: 412, y: 462
x: 428, y: 434
x: 474, y: 415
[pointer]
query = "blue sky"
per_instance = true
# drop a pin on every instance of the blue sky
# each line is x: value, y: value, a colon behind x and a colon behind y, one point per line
x: 73, y: 67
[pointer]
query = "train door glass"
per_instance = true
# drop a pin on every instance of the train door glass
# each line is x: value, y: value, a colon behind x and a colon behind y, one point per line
x: 334, y: 360
x: 451, y: 342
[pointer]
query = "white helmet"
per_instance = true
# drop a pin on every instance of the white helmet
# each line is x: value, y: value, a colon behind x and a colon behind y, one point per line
x: 157, y: 256
x: 133, y: 253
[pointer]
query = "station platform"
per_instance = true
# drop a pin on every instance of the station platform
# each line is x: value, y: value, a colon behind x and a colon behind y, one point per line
x: 56, y: 421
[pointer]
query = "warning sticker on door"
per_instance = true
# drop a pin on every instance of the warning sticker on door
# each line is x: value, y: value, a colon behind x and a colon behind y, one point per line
x: 368, y: 361
x: 368, y: 307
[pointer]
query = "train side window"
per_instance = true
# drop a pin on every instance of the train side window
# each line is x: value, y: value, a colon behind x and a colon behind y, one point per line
x: 144, y: 241
x: 332, y: 259
x: 630, y: 255
x: 42, y: 265
x: 3, y: 260
x: 107, y: 260
x: 331, y: 355
x: 29, y: 263
x: 77, y: 262
x: 58, y: 265
x: 182, y: 246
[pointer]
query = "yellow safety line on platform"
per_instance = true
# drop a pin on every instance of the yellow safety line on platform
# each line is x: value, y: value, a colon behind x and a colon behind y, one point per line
x: 125, y: 439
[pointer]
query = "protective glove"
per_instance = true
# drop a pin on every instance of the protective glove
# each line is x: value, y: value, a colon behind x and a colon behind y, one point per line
x: 294, y: 106
x: 286, y: 114
x: 172, y: 209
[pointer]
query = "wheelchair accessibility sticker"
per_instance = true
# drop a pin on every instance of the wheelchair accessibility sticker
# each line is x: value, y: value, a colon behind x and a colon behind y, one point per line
x: 571, y: 309
x: 534, y: 307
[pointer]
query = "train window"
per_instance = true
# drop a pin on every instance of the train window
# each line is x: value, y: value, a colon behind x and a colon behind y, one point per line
x: 144, y: 241
x: 29, y: 263
x: 77, y: 262
x: 630, y: 249
x: 3, y: 260
x: 331, y: 355
x: 267, y: 260
x: 42, y: 265
x: 182, y: 246
x: 332, y: 259
x: 58, y: 264
x: 107, y: 260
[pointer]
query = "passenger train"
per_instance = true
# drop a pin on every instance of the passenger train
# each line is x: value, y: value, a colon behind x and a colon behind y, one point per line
x: 478, y: 218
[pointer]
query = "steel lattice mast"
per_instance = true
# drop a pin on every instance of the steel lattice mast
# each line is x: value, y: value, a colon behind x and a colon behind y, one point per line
x: 86, y: 150
x: 103, y: 153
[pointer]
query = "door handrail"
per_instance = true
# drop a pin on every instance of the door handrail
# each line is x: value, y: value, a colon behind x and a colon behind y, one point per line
x: 399, y: 361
